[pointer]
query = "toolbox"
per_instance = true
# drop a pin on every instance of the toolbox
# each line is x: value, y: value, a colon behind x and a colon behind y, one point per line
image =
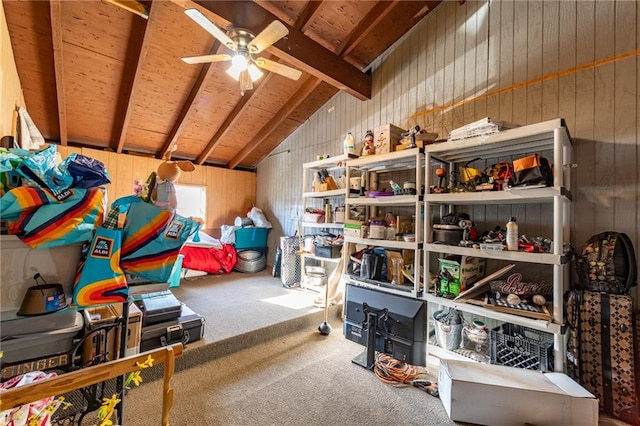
x: 159, y: 307
x: 187, y: 328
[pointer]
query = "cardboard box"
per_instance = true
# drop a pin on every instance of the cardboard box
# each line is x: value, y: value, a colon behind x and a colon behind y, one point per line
x: 101, y: 345
x: 134, y: 330
x: 496, y: 395
x: 353, y: 229
x: 463, y: 270
x: 386, y: 138
x: 404, y: 225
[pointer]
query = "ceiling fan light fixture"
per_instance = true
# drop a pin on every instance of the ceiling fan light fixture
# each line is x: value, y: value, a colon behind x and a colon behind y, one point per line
x: 254, y: 72
x: 234, y: 72
x: 244, y: 68
x: 239, y: 63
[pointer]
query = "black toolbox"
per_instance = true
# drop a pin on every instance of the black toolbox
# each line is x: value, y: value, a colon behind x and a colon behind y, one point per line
x: 159, y: 307
x: 188, y: 328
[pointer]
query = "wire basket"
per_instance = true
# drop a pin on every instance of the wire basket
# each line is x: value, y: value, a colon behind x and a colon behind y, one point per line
x: 291, y: 265
x: 522, y: 347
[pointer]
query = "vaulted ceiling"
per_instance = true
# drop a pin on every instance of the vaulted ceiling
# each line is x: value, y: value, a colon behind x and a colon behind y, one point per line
x: 109, y: 75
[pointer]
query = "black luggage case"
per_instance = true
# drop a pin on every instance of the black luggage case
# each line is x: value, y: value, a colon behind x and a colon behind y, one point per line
x: 188, y: 328
x: 159, y: 307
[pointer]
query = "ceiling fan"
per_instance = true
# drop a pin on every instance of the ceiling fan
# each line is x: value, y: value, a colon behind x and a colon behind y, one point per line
x: 244, y: 44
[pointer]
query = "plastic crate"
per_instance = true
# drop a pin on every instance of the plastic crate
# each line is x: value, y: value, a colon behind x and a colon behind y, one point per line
x: 331, y: 252
x: 522, y: 347
x: 251, y: 238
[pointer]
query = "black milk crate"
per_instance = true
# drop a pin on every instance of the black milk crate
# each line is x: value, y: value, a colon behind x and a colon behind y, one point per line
x: 523, y: 347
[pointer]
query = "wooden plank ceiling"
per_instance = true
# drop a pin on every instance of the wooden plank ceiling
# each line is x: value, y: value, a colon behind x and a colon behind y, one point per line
x: 108, y: 74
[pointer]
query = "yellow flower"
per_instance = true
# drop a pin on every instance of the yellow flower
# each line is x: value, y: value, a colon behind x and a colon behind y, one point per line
x: 147, y: 363
x: 106, y: 409
x: 102, y: 412
x: 136, y: 378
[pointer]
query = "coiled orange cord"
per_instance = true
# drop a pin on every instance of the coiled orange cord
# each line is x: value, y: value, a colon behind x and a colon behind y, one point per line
x: 394, y: 372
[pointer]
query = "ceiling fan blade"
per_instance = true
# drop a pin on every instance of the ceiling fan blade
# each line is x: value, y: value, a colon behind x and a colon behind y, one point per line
x: 212, y: 29
x: 274, y: 32
x: 206, y: 58
x: 278, y: 68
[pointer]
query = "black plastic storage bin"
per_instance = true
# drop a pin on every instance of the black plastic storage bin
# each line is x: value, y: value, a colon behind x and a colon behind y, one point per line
x: 522, y: 347
x: 330, y: 252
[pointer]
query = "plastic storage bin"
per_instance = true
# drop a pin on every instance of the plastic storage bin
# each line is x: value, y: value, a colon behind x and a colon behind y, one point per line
x: 38, y: 345
x: 13, y: 324
x: 251, y: 238
x: 519, y: 346
x: 331, y: 252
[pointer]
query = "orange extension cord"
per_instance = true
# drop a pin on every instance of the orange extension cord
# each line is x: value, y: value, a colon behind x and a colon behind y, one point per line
x: 395, y: 372
x: 399, y: 373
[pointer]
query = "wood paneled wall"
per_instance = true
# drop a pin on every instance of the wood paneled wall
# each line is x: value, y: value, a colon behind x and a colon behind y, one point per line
x: 519, y: 61
x: 229, y: 192
x: 11, y: 93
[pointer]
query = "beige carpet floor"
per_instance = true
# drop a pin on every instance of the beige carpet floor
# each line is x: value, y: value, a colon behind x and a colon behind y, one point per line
x: 301, y: 378
x: 262, y: 361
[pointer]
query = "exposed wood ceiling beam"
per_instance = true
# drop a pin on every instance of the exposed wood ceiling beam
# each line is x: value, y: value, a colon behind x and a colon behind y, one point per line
x: 188, y: 107
x: 375, y: 15
x: 58, y: 67
x: 146, y: 43
x: 307, y: 14
x: 305, y: 90
x: 368, y: 23
x: 302, y: 20
x: 297, y: 49
x: 231, y: 119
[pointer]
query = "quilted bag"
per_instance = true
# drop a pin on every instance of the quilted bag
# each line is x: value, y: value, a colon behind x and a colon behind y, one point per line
x: 601, y: 350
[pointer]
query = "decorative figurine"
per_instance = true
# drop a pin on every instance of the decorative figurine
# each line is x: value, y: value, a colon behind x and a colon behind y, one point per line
x: 368, y: 148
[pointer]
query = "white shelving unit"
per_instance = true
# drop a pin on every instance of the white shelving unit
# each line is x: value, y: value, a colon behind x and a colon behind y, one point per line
x: 407, y: 163
x: 335, y: 166
x: 549, y: 137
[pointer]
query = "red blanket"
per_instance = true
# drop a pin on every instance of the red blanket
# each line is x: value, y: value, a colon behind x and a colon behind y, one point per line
x: 208, y: 259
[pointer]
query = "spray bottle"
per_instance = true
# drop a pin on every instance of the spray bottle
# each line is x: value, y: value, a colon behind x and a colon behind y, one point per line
x: 512, y: 235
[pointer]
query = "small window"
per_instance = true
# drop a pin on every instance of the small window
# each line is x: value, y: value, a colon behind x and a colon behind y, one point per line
x: 192, y: 201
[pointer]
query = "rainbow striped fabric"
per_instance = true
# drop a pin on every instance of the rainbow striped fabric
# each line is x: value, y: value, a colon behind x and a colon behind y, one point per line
x: 43, y: 218
x: 152, y: 239
x: 100, y: 279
